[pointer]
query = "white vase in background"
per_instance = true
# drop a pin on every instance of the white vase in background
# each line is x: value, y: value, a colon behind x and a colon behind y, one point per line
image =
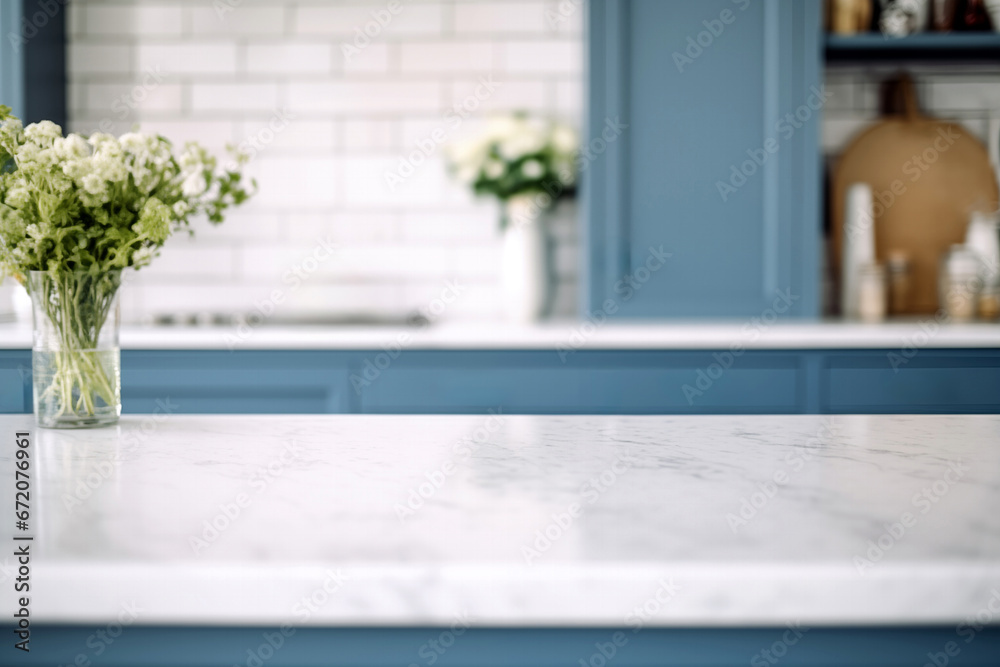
x: 524, y: 274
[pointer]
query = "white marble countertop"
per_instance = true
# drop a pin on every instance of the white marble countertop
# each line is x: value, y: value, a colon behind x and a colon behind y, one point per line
x: 511, y: 520
x: 681, y: 335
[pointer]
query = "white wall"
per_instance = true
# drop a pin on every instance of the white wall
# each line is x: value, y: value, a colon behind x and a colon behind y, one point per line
x: 963, y: 93
x: 222, y: 71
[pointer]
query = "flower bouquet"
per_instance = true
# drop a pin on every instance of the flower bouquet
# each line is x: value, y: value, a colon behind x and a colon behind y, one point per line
x: 75, y: 212
x: 526, y: 163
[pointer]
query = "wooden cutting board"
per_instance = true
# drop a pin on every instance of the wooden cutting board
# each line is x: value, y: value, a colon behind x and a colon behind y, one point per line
x: 927, y: 177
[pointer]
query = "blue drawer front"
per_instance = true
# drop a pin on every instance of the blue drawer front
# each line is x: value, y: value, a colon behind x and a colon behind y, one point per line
x: 15, y: 381
x: 930, y: 381
x: 234, y: 383
x: 595, y: 382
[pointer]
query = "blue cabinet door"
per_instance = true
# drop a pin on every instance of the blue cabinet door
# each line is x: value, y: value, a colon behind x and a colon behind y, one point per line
x: 703, y: 119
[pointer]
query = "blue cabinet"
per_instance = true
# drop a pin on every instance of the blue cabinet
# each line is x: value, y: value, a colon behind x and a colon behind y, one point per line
x: 541, y: 382
x: 488, y: 647
x: 703, y: 125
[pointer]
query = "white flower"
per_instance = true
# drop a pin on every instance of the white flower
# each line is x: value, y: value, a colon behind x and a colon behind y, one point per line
x: 71, y: 147
x: 181, y: 208
x: 194, y: 185
x: 532, y: 169
x: 44, y: 132
x: 564, y: 140
x: 142, y: 256
x: 493, y: 169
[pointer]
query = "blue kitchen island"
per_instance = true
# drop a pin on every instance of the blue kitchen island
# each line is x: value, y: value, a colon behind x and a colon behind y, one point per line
x: 511, y: 540
x: 763, y: 365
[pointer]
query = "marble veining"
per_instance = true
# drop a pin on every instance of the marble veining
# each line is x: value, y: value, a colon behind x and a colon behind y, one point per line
x: 512, y: 520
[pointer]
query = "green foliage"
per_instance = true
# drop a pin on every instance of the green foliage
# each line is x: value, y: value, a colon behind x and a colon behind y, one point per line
x: 515, y: 155
x: 99, y: 204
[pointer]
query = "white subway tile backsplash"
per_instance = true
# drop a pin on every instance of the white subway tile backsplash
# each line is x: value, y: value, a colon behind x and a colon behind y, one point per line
x: 189, y: 57
x: 370, y: 21
x: 85, y: 58
x: 488, y: 18
x: 373, y: 59
x: 365, y: 96
x: 119, y: 100
x: 296, y: 183
x: 524, y: 57
x: 499, y: 93
x: 362, y: 134
x: 285, y: 132
x: 423, y: 57
x: 234, y: 96
x: 966, y: 95
x: 140, y: 20
x: 288, y: 57
x: 213, y: 134
x: 243, y: 20
x: 345, y: 108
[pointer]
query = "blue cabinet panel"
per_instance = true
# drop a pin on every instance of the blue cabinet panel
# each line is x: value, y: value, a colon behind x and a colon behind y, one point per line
x: 143, y: 646
x: 234, y: 382
x: 593, y: 382
x: 15, y: 381
x: 538, y: 382
x: 703, y: 127
x: 930, y: 381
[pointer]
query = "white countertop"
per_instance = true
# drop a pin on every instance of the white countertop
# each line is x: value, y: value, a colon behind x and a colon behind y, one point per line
x: 313, y: 501
x: 682, y: 335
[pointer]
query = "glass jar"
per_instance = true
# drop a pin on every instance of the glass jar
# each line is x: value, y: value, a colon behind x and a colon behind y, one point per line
x: 75, y: 358
x: 959, y: 283
x: 872, y: 293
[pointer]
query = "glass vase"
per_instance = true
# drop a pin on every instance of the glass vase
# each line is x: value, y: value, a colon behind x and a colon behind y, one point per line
x: 75, y: 358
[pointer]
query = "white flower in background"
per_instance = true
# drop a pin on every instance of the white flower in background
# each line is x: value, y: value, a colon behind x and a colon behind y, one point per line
x: 565, y: 140
x: 515, y: 154
x: 532, y: 169
x: 493, y: 169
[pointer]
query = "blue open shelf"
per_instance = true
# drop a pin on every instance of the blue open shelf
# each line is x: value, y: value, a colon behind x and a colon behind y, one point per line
x: 982, y: 47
